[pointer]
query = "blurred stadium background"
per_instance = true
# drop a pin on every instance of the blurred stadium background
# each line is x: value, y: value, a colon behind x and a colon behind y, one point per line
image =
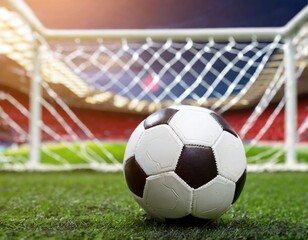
x: 70, y: 98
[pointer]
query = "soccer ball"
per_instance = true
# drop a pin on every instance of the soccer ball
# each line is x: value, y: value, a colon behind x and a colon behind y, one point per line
x: 185, y: 161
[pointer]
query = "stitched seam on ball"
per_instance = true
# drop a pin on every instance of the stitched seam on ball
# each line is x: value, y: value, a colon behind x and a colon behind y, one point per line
x: 216, y: 140
x: 216, y: 163
x: 214, y: 152
x: 152, y: 209
x: 197, y: 145
x: 245, y: 169
x: 173, y: 130
x: 207, y: 184
x: 138, y: 141
x: 217, y: 121
x: 169, y: 119
x: 166, y: 171
x: 192, y: 201
x: 227, y: 178
x: 176, y: 134
x: 202, y: 146
x: 215, y: 156
x: 223, y: 127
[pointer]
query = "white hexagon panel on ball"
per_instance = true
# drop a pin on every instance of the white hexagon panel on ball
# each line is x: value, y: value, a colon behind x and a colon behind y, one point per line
x: 158, y: 150
x: 196, y: 126
x: 213, y: 199
x: 168, y: 195
x: 133, y: 140
x: 147, y: 208
x: 230, y: 156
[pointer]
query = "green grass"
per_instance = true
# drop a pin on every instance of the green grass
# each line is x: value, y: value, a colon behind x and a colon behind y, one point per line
x: 269, y: 152
x: 77, y: 153
x: 93, y: 205
x: 74, y: 153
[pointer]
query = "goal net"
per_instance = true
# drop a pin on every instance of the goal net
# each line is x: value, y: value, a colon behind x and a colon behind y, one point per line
x: 71, y: 101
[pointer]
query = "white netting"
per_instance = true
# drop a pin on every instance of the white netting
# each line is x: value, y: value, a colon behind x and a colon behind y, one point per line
x: 85, y: 82
x: 161, y: 72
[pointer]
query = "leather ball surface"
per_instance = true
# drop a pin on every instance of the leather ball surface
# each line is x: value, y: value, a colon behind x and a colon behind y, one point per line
x: 185, y: 161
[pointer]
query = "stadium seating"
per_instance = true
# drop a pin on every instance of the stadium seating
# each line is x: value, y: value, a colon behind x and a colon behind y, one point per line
x: 276, y: 130
x: 119, y: 126
x: 103, y: 125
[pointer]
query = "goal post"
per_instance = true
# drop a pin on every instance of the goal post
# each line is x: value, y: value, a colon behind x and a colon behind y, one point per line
x: 140, y: 71
x: 35, y: 110
x: 291, y: 102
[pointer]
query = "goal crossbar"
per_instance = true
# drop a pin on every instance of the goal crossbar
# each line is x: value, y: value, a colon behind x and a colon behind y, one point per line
x: 268, y: 33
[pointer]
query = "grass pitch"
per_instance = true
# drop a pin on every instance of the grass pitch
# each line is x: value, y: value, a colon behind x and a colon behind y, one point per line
x: 84, y: 152
x: 86, y: 205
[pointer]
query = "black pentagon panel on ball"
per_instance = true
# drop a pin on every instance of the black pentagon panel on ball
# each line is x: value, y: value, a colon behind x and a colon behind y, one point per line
x: 196, y: 165
x: 135, y: 176
x: 239, y: 186
x: 225, y: 126
x: 162, y: 116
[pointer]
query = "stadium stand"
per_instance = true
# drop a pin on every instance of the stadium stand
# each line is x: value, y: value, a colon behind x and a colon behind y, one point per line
x: 6, y: 137
x: 118, y: 126
x: 104, y: 125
